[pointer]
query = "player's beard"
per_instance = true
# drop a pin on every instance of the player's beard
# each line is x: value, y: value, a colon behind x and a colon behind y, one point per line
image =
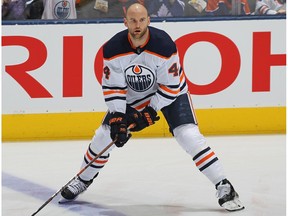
x: 138, y: 36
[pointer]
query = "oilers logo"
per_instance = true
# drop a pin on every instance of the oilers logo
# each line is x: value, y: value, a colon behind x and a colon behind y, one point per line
x: 139, y: 78
x: 62, y: 9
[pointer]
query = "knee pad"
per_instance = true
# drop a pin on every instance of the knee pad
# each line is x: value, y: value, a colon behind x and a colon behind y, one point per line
x: 190, y: 139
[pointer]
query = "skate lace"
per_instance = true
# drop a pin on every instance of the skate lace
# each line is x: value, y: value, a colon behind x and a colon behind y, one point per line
x: 77, y: 186
x: 222, y: 190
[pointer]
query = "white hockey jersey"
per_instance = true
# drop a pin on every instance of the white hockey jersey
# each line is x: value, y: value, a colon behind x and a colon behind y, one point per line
x: 141, y: 76
x: 59, y: 9
x: 269, y: 7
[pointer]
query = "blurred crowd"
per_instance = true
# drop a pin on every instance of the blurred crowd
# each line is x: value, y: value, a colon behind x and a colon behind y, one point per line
x: 95, y: 9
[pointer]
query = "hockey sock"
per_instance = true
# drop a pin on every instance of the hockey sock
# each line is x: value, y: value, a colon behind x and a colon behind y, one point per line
x: 92, y: 171
x: 100, y: 140
x: 207, y: 163
x: 193, y: 142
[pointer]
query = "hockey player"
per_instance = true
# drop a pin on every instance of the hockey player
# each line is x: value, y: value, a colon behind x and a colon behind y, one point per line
x: 142, y: 75
x: 270, y: 7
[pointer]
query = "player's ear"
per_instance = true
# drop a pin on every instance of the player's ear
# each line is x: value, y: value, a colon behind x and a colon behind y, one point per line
x: 148, y: 19
x: 125, y: 22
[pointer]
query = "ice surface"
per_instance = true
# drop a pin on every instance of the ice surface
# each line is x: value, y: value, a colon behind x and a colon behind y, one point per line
x: 147, y: 177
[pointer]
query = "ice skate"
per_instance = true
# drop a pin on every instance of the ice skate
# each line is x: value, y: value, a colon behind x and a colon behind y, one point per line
x: 71, y: 192
x: 228, y: 197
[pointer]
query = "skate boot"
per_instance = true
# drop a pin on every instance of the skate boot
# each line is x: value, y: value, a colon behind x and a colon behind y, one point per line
x: 71, y: 192
x: 228, y: 198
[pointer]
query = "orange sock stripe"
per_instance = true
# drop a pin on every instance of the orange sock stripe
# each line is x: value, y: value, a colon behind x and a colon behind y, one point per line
x: 97, y: 161
x: 205, y: 158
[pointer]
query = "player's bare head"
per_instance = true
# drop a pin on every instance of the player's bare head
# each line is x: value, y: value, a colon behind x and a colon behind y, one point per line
x: 137, y: 13
x: 137, y: 20
x: 136, y: 8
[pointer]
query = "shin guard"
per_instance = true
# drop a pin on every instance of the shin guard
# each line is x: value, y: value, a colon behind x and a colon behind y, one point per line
x: 193, y: 142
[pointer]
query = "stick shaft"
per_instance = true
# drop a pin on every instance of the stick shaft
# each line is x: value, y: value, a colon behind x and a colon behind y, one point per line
x: 79, y: 173
x: 96, y: 157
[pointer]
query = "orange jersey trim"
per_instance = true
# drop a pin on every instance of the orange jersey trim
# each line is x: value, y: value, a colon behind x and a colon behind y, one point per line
x: 141, y: 106
x: 114, y: 92
x: 160, y: 56
x: 130, y: 41
x: 165, y: 88
x: 120, y: 55
x: 182, y: 76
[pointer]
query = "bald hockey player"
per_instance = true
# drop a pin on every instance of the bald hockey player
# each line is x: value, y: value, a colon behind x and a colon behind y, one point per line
x: 141, y: 76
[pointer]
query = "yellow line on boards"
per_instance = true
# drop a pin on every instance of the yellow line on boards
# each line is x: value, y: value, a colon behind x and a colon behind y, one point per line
x: 65, y: 126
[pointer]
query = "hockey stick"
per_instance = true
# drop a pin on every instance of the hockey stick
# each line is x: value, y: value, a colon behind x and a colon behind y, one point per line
x: 79, y: 173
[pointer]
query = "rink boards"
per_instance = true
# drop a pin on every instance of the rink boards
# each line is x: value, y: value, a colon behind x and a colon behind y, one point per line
x: 51, y: 89
x: 82, y: 125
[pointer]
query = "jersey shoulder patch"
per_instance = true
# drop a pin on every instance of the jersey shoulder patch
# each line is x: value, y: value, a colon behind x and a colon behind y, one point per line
x: 161, y: 43
x: 117, y: 45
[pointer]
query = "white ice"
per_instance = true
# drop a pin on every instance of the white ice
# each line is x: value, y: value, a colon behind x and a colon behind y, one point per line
x: 147, y: 177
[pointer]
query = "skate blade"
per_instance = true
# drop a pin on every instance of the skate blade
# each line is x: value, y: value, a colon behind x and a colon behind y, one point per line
x: 62, y: 200
x: 233, y: 205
